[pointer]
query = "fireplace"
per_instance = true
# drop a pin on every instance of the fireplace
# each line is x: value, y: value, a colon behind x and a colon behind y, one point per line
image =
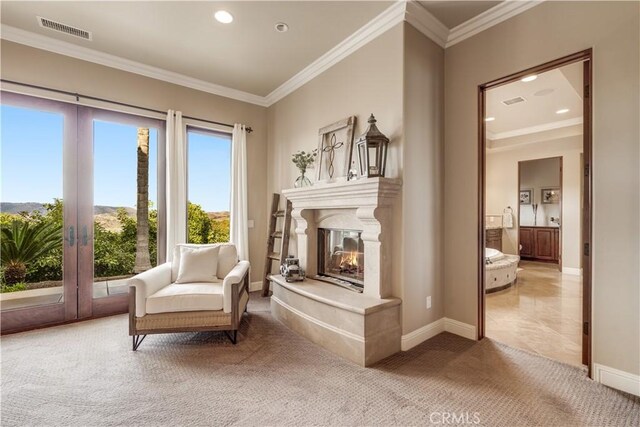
x: 341, y: 257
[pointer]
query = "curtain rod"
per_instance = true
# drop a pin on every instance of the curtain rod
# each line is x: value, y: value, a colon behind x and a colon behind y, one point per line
x: 122, y: 104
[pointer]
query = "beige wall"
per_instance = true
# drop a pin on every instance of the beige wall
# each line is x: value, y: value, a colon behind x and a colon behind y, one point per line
x: 423, y: 177
x: 400, y: 72
x: 34, y: 66
x: 368, y: 81
x: 543, y: 33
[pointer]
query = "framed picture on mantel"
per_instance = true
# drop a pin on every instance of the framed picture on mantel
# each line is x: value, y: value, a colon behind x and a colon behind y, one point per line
x: 335, y: 149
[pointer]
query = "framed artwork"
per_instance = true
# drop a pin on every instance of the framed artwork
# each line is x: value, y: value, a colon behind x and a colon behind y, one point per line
x: 525, y: 197
x: 335, y: 150
x: 550, y: 195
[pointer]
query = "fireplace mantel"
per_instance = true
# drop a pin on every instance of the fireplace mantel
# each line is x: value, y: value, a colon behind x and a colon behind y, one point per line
x: 365, y: 192
x: 369, y: 200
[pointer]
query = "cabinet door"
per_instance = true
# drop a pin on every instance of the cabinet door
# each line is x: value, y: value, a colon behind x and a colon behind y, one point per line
x: 544, y: 244
x: 526, y: 241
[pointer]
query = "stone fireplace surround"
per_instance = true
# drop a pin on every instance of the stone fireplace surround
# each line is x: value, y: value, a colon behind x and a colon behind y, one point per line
x: 363, y: 327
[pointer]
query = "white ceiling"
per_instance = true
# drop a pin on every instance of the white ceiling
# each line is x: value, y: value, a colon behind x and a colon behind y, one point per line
x: 180, y: 42
x: 182, y: 37
x: 538, y: 112
x: 453, y: 13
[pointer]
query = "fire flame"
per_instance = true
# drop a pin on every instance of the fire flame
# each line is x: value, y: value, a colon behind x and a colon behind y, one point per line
x: 349, y: 260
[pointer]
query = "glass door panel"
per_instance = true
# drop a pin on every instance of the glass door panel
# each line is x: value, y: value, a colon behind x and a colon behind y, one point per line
x: 119, y: 206
x: 38, y: 215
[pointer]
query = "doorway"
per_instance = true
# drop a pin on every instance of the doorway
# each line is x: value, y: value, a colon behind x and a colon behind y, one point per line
x: 73, y: 195
x: 580, y: 63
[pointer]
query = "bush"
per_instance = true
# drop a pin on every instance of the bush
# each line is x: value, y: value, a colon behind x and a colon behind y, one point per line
x: 13, y: 288
x: 114, y: 252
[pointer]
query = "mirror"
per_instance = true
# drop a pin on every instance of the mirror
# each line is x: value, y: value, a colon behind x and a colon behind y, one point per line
x: 540, y: 192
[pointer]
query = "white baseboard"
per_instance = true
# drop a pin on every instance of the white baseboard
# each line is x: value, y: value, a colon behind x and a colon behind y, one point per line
x: 572, y: 270
x: 444, y: 324
x: 422, y: 334
x: 463, y: 329
x: 615, y: 378
x: 255, y: 286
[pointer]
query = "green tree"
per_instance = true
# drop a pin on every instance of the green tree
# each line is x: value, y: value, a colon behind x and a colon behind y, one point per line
x: 6, y: 219
x: 219, y: 231
x: 121, y: 247
x: 114, y: 251
x: 24, y: 242
x: 199, y: 224
x: 49, y: 265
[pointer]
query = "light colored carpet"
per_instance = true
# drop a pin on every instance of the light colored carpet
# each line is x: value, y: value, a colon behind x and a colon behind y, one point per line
x: 86, y: 374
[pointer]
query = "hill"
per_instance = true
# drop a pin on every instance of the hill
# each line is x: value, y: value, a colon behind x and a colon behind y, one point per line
x: 103, y: 215
x: 218, y: 216
x: 15, y: 208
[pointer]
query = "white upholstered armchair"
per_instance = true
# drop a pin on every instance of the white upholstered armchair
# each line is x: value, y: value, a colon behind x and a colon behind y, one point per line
x: 204, y: 288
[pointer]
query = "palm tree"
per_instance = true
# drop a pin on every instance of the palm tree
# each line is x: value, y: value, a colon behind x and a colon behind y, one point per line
x: 24, y: 242
x: 143, y: 262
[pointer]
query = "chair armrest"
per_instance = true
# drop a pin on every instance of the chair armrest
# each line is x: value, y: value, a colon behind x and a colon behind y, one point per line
x: 236, y: 275
x: 148, y: 283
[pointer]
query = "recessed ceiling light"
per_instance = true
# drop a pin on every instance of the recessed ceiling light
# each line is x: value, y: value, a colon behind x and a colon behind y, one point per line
x: 223, y: 16
x: 489, y: 119
x: 562, y: 111
x: 529, y: 78
x: 281, y: 27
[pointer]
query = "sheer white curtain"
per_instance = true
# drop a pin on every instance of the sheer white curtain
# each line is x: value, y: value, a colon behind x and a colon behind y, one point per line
x: 176, y: 182
x: 239, y: 228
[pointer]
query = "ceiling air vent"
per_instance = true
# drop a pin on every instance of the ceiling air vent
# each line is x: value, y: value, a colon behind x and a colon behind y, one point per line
x: 513, y: 100
x: 63, y: 28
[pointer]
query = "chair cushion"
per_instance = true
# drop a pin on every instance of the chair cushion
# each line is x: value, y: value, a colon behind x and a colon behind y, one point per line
x: 227, y: 258
x: 198, y: 264
x: 186, y: 297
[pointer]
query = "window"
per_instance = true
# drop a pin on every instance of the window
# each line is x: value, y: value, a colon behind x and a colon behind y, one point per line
x: 208, y: 185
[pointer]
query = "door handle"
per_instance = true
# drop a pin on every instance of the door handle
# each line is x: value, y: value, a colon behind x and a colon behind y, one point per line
x: 85, y: 236
x: 72, y: 236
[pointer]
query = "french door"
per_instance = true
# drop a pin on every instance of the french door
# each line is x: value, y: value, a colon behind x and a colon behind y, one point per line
x: 121, y: 176
x: 80, y: 212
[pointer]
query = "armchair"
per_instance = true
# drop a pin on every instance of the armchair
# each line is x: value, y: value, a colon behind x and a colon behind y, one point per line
x: 158, y: 305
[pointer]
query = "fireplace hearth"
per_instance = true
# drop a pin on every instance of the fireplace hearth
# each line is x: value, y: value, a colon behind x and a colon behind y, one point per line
x: 344, y: 235
x: 341, y: 257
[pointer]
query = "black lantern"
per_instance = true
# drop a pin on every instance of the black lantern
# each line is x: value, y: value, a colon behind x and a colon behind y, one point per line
x: 372, y: 151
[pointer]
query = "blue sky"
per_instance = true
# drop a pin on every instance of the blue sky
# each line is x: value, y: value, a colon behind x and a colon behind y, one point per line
x: 32, y: 162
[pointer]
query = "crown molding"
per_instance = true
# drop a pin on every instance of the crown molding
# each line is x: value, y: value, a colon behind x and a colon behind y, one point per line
x: 390, y: 17
x: 534, y: 129
x: 422, y: 20
x: 401, y: 10
x: 487, y: 19
x: 416, y: 15
x: 86, y: 54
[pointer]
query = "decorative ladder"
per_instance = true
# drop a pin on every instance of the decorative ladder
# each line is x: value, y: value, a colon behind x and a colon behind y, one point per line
x: 282, y: 235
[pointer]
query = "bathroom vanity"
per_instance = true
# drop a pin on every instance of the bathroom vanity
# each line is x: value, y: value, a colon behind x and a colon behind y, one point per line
x: 540, y: 243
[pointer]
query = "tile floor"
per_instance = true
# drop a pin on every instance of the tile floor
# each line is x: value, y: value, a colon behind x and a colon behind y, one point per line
x: 541, y: 313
